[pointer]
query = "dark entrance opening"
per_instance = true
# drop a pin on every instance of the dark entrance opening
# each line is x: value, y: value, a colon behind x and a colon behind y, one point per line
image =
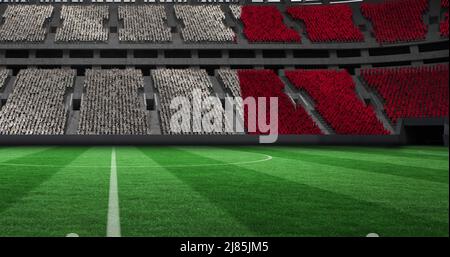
x: 425, y: 135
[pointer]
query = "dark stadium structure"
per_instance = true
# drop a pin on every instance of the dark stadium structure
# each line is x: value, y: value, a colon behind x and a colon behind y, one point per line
x: 346, y: 72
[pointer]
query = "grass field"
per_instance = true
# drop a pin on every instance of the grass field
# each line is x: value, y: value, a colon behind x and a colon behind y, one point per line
x: 225, y: 191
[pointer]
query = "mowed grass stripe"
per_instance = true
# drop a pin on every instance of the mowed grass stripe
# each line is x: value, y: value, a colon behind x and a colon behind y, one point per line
x: 68, y: 200
x: 423, y: 154
x: 10, y: 153
x: 273, y: 206
x: 17, y: 181
x: 412, y: 196
x: 375, y: 165
x: 428, y: 148
x: 154, y: 202
x: 385, y: 157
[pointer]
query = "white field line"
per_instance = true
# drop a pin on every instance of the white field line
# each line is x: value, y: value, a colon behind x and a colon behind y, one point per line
x: 113, y: 225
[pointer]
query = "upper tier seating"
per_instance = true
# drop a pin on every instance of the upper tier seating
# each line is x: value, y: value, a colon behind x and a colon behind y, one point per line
x: 397, y: 20
x: 143, y: 23
x: 203, y: 23
x: 292, y: 118
x: 328, y: 23
x: 3, y: 76
x: 112, y: 105
x: 335, y: 99
x: 25, y: 23
x: 411, y: 92
x: 172, y: 83
x: 36, y: 105
x: 264, y: 24
x: 443, y: 27
x: 83, y: 24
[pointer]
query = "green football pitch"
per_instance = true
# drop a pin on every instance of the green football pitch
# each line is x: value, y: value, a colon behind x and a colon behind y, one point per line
x: 224, y: 191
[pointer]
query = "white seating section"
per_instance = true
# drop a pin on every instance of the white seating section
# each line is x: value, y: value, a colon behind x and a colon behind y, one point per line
x: 144, y: 23
x: 203, y: 23
x: 230, y: 81
x: 236, y: 11
x: 171, y: 83
x: 83, y: 24
x: 111, y: 104
x: 36, y: 105
x: 25, y: 23
x: 3, y: 76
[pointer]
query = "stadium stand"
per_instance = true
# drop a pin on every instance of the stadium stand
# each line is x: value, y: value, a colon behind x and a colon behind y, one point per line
x: 143, y: 24
x: 397, y: 20
x: 230, y: 82
x: 203, y: 23
x: 111, y: 104
x: 36, y: 105
x: 411, y: 92
x: 83, y: 24
x: 293, y: 119
x: 264, y: 24
x: 3, y: 76
x: 328, y: 23
x: 25, y: 23
x: 237, y: 54
x: 443, y: 26
x: 335, y: 99
x: 172, y: 83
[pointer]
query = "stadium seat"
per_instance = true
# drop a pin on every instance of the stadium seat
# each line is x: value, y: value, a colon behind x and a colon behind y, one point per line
x: 328, y: 23
x: 25, y: 23
x: 292, y: 118
x: 36, y: 105
x: 443, y: 26
x: 335, y: 99
x: 264, y: 24
x: 143, y: 23
x: 203, y: 23
x: 397, y: 20
x: 83, y: 23
x: 172, y: 83
x: 3, y: 76
x: 411, y: 92
x: 112, y: 105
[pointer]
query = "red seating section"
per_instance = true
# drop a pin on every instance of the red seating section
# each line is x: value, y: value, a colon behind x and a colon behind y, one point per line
x: 292, y: 119
x: 265, y: 24
x: 336, y: 100
x: 328, y: 23
x: 397, y: 20
x: 444, y: 23
x: 412, y: 92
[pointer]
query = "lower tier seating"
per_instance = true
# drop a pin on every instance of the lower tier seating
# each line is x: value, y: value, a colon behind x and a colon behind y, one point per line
x: 111, y: 104
x: 337, y: 102
x: 36, y: 105
x: 292, y: 118
x: 411, y: 92
x: 173, y: 83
